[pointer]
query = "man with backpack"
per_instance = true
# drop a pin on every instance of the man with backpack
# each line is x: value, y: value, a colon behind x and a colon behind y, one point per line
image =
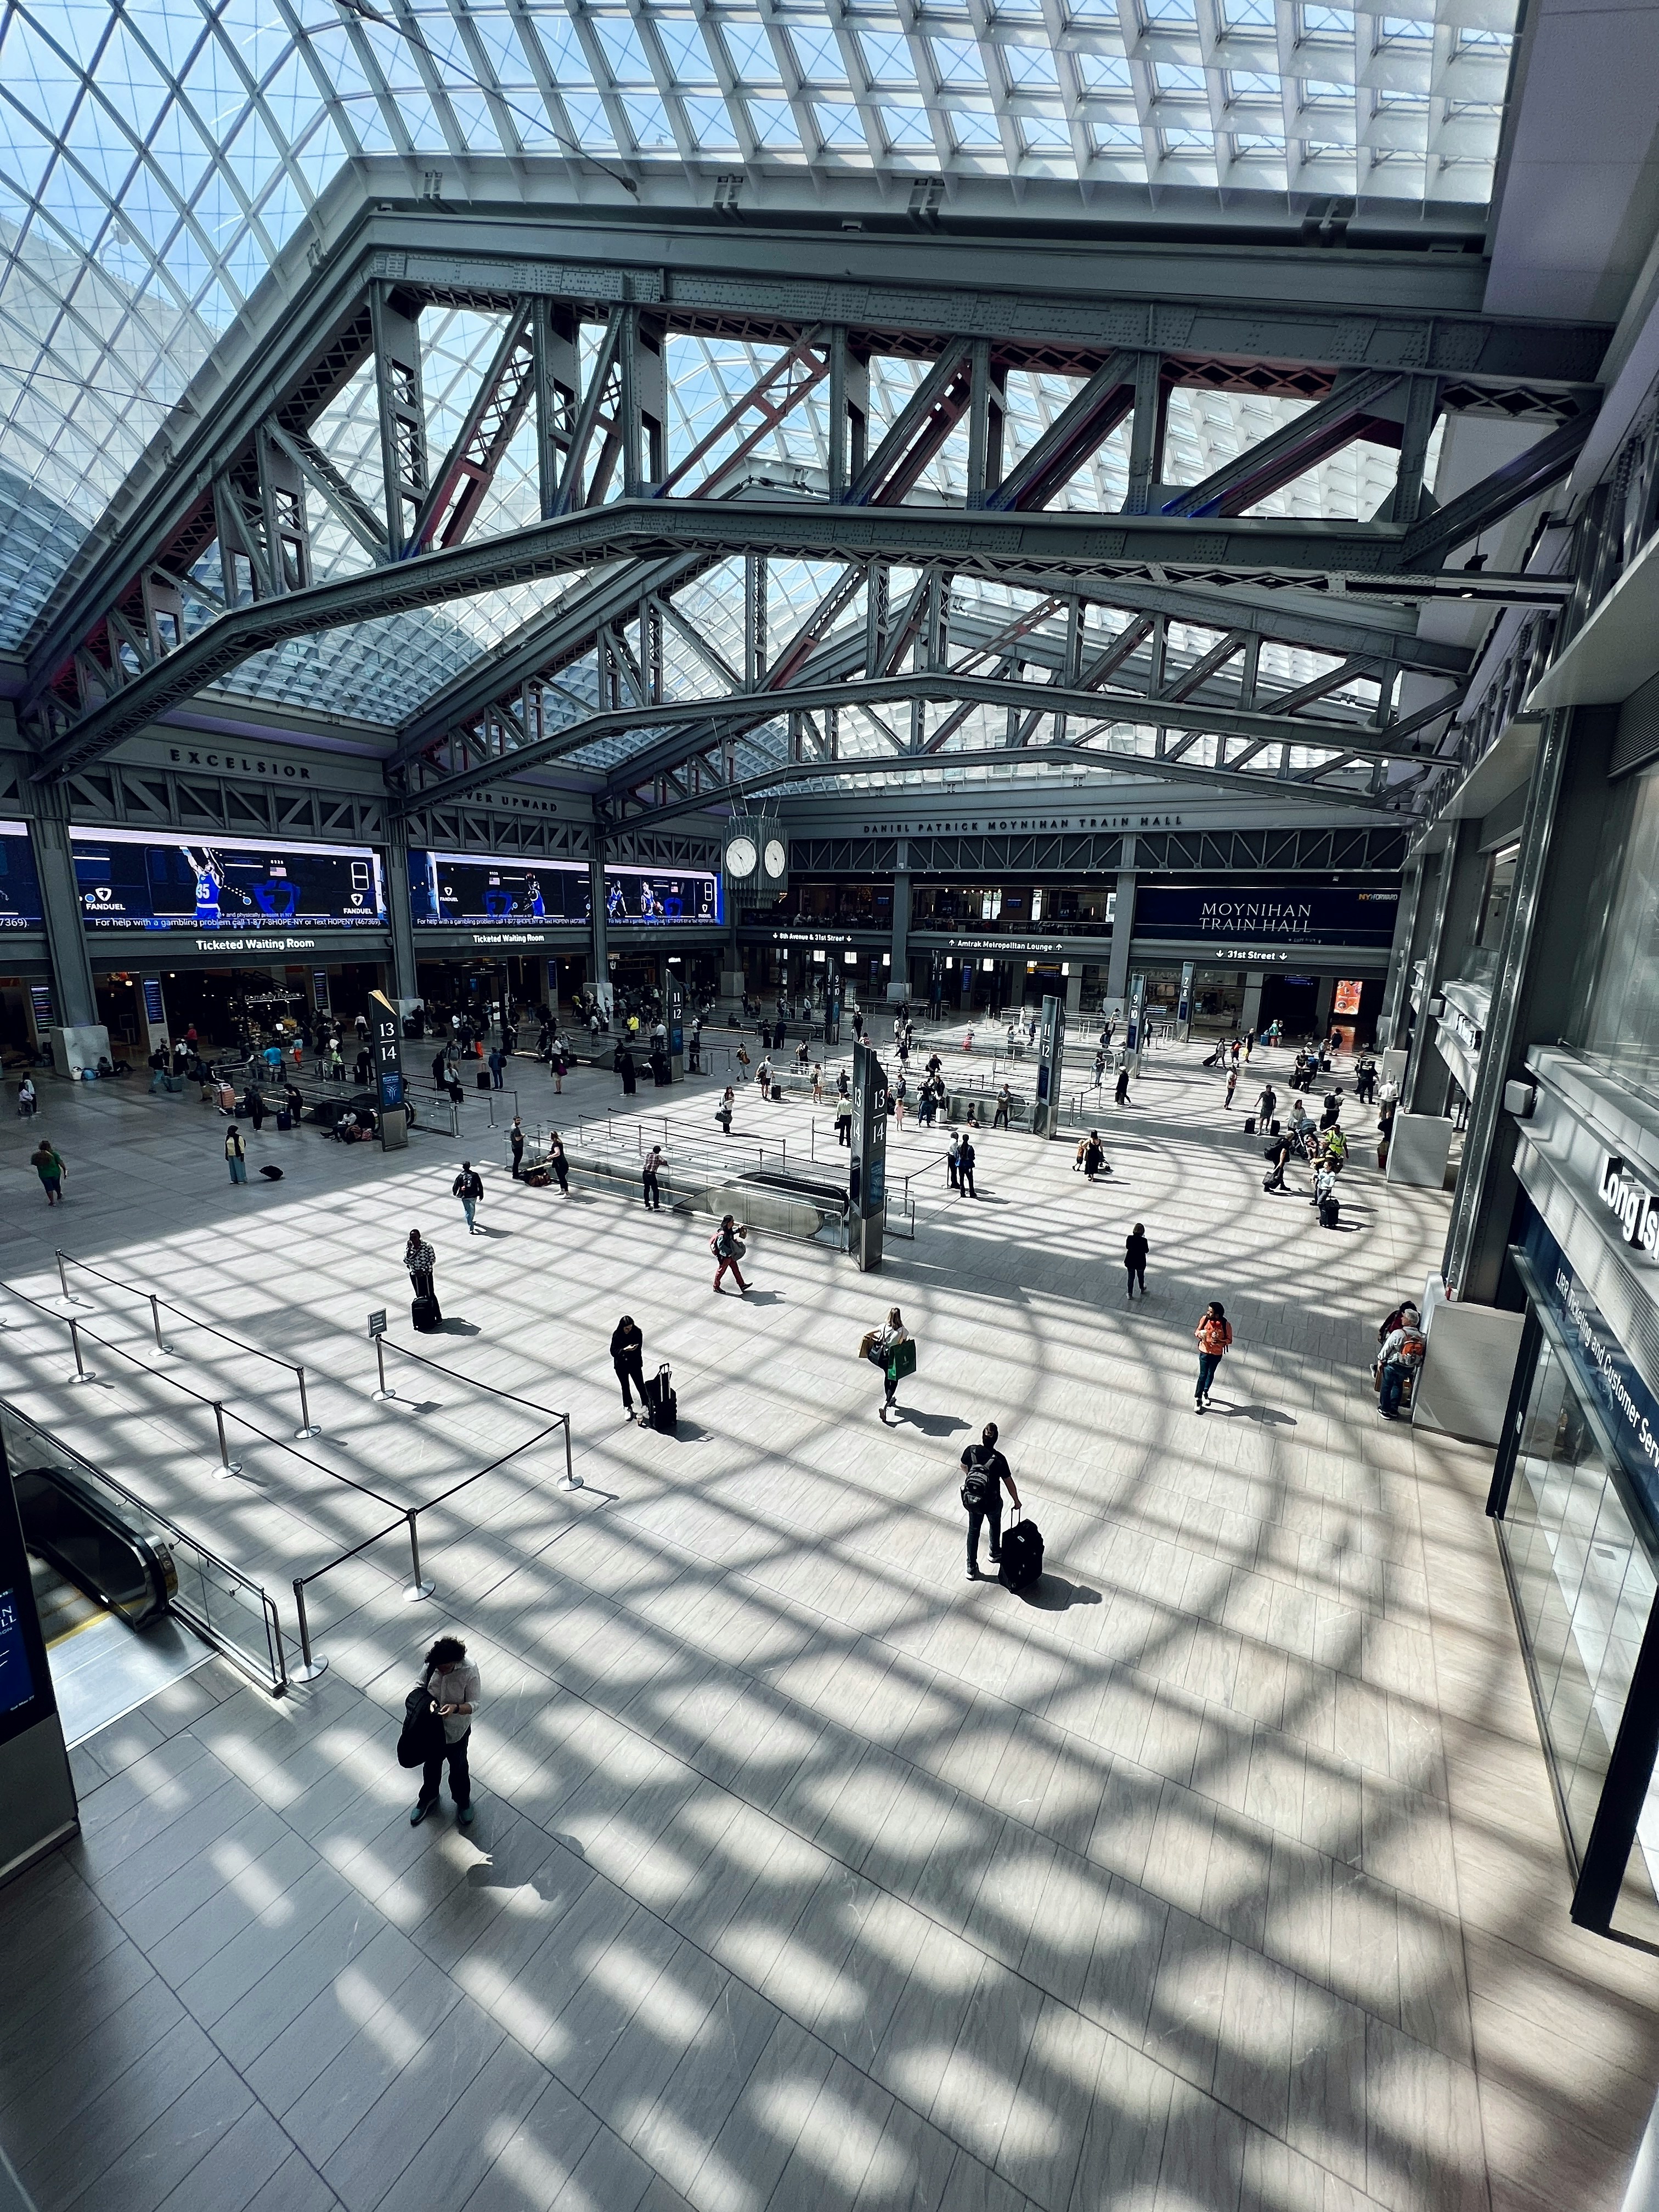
x: 1400, y: 1358
x: 468, y: 1187
x: 727, y: 1247
x: 984, y: 1474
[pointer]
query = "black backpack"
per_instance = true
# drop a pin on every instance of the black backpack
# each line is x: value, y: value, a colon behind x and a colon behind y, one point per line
x: 423, y: 1731
x: 978, y: 1484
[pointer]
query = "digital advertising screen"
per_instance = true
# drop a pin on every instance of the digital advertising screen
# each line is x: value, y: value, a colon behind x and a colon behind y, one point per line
x: 1266, y: 914
x: 447, y: 889
x: 461, y: 890
x: 20, y: 886
x: 129, y: 880
x: 663, y: 894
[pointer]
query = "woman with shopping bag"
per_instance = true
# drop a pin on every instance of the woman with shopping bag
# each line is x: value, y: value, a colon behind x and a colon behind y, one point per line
x: 893, y: 1349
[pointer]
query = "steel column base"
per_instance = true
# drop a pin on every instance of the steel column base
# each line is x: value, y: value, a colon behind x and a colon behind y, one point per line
x: 309, y: 1672
x: 414, y: 1592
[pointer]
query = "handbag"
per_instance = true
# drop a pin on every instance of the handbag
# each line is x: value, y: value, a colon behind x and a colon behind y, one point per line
x: 422, y: 1732
x: 866, y: 1343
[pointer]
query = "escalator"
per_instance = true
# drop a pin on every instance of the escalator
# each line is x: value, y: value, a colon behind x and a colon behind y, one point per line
x: 102, y: 1588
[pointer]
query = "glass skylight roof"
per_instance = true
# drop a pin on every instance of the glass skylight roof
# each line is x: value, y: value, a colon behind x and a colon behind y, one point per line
x: 155, y: 158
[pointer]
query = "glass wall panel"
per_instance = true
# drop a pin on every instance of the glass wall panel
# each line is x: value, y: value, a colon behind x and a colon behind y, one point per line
x: 1584, y: 1589
x: 1622, y: 1026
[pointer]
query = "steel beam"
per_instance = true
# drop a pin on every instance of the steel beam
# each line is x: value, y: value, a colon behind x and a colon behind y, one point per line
x: 1032, y: 552
x: 1274, y: 462
x: 730, y: 713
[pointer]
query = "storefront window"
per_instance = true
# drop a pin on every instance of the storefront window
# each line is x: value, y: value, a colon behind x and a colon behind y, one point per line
x: 1583, y: 1590
x: 1621, y: 1030
x: 1013, y: 908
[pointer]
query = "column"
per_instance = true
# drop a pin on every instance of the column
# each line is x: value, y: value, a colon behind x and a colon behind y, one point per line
x: 1250, y: 1014
x: 73, y: 995
x: 597, y: 955
x: 1123, y: 923
x: 404, y: 983
x: 1392, y: 1020
x: 1463, y: 875
x: 898, y: 976
x: 1532, y: 1001
x: 1074, y: 992
x: 1325, y: 1000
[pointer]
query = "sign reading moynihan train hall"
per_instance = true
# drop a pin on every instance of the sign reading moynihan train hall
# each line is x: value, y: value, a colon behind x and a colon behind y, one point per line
x: 1267, y: 913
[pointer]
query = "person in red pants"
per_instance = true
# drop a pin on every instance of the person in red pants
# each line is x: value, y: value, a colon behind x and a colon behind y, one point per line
x: 728, y: 1247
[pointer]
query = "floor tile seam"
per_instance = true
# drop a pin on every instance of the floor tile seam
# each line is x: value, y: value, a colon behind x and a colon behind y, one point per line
x: 1034, y: 1630
x: 226, y: 1881
x: 1356, y: 1774
x: 1482, y: 2072
x: 859, y: 1873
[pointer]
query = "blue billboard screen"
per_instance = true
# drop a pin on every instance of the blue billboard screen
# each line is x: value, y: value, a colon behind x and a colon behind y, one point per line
x: 133, y: 880
x: 20, y: 886
x: 462, y: 889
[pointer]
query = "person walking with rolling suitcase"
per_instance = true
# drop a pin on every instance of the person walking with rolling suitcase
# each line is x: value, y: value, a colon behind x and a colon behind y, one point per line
x: 420, y: 1259
x: 468, y: 1187
x: 627, y: 1357
x: 985, y: 1474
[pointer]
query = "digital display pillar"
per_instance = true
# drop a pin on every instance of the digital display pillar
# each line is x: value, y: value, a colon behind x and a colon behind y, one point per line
x: 387, y: 1035
x: 1134, y: 1033
x: 1045, y: 1106
x: 866, y: 1175
x: 676, y: 1030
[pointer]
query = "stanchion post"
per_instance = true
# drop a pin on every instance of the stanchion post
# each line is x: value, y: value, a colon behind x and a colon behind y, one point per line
x: 155, y: 1323
x: 385, y: 1390
x: 571, y: 1479
x: 83, y: 1373
x: 417, y: 1587
x: 227, y: 1465
x: 70, y: 1298
x: 308, y: 1427
x: 312, y: 1667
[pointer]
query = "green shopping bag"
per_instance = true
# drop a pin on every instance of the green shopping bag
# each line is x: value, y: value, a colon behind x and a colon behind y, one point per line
x: 902, y: 1361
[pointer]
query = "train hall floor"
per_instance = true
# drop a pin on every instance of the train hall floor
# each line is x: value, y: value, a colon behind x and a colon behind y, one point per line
x: 1220, y: 1872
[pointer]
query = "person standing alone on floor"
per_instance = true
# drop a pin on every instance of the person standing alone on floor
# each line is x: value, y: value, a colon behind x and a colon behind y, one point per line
x: 1120, y: 1095
x: 627, y: 1357
x: 468, y: 1187
x: 457, y: 1690
x: 515, y: 1139
x: 984, y: 1474
x: 1135, y: 1249
x: 965, y: 1168
x: 235, y: 1154
x: 1214, y: 1333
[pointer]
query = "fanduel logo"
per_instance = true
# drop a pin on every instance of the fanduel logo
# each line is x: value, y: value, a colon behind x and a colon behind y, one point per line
x: 1633, y: 1203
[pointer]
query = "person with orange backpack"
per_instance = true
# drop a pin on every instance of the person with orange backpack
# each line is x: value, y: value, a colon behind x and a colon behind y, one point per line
x: 1399, y: 1359
x: 1214, y: 1333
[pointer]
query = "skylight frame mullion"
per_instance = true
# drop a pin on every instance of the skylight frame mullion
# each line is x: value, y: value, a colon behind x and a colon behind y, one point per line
x: 708, y: 19
x: 489, y: 85
x: 329, y: 99
x: 997, y: 81
x: 861, y: 92
x: 662, y: 75
x: 558, y: 115
x: 605, y: 86
x: 793, y: 82
x: 429, y: 68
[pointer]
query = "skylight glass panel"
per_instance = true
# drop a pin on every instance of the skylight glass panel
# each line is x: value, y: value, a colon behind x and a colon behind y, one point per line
x: 154, y: 161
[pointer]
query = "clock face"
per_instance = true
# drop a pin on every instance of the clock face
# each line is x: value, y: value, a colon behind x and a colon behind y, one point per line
x: 776, y: 859
x: 740, y: 857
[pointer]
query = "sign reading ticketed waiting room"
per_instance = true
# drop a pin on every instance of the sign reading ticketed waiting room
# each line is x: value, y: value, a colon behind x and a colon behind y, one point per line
x: 130, y: 879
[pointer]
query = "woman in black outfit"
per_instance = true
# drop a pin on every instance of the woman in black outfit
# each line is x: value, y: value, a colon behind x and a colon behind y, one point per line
x: 627, y: 1352
x: 1135, y: 1248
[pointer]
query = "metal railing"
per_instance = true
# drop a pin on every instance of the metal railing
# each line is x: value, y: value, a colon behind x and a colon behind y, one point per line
x: 419, y: 1587
x: 212, y: 1597
x: 308, y: 1427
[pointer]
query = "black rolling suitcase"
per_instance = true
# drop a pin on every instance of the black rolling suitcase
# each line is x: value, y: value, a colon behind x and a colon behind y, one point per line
x: 1330, y: 1211
x: 483, y: 1083
x: 423, y: 1312
x: 1022, y: 1555
x: 284, y: 1119
x: 662, y: 1406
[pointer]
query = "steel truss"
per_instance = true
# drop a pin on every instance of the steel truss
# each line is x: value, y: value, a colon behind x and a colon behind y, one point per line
x: 581, y: 358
